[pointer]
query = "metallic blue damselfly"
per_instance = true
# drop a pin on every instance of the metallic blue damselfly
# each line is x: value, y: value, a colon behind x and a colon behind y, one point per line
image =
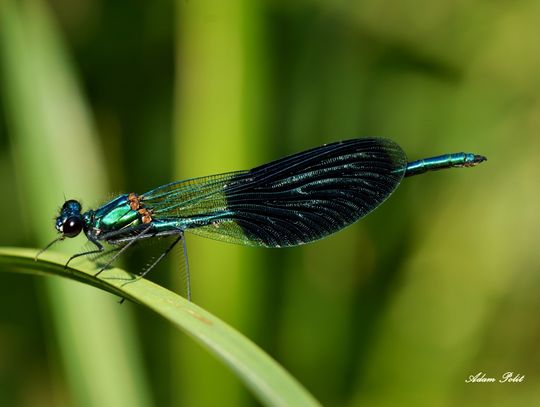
x: 291, y: 201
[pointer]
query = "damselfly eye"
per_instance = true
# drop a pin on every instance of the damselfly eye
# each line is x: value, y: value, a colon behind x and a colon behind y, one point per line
x: 72, y: 205
x: 72, y: 226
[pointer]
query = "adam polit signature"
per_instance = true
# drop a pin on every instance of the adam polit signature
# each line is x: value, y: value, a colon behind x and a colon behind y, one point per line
x: 508, y: 377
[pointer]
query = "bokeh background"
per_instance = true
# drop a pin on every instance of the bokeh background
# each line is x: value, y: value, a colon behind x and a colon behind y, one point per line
x: 102, y: 97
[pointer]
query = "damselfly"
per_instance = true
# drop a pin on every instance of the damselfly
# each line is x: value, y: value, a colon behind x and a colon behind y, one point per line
x: 287, y: 202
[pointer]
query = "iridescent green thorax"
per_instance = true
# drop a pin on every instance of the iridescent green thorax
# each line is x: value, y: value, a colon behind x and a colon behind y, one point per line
x: 114, y: 215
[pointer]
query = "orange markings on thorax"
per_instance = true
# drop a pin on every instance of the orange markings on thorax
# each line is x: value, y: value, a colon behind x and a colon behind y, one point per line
x: 134, y: 201
x: 136, y: 205
x: 146, y: 215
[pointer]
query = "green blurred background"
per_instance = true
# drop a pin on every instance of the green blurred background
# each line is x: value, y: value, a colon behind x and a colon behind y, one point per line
x: 441, y: 282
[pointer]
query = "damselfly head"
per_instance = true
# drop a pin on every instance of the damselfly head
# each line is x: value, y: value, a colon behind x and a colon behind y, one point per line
x: 70, y: 221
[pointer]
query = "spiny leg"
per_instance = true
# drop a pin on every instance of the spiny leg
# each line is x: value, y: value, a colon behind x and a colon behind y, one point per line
x: 99, y: 249
x: 162, y: 256
x: 59, y: 238
x: 123, y: 249
x: 188, y: 277
x: 96, y: 259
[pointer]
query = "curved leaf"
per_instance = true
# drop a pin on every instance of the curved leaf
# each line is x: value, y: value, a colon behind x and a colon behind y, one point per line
x: 270, y: 383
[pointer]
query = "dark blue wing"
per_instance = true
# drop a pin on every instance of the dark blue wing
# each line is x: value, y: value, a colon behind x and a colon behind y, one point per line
x: 290, y: 201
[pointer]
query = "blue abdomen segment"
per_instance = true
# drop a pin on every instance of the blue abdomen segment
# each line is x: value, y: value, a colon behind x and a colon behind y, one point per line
x: 443, y: 161
x: 181, y: 224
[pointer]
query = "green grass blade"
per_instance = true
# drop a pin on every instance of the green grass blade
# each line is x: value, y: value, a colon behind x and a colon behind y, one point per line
x: 219, y: 108
x: 55, y: 149
x: 269, y: 382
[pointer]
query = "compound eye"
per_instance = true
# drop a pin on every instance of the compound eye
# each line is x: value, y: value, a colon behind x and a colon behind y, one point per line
x: 71, y: 204
x: 72, y: 226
